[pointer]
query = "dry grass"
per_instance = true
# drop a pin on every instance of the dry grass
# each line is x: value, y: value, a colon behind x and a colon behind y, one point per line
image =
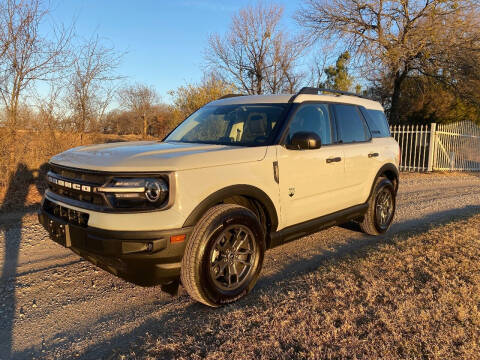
x: 23, y: 155
x: 411, y: 298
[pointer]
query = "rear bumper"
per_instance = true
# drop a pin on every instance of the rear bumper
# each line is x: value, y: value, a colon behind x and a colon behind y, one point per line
x: 144, y: 258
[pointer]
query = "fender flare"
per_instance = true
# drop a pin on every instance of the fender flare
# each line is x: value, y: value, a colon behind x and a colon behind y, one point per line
x: 234, y: 190
x: 386, y: 167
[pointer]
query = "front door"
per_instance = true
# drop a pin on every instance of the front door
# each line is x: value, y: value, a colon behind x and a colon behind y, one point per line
x: 311, y: 181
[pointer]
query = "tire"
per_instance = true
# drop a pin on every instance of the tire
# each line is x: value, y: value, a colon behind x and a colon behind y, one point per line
x: 377, y: 219
x: 218, y: 267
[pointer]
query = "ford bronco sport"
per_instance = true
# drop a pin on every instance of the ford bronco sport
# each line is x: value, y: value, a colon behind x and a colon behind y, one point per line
x: 241, y: 175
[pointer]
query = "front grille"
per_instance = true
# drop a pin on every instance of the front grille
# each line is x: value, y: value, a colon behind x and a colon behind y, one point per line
x: 69, y: 215
x: 79, y: 188
x: 74, y: 176
x: 82, y: 176
x: 94, y: 199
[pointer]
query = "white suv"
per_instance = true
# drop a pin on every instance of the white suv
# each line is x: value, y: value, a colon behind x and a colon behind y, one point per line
x: 241, y: 175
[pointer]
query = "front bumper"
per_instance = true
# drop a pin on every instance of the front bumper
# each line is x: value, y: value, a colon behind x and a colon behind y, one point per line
x: 144, y: 258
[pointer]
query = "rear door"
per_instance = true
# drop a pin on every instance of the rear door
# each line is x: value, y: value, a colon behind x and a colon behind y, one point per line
x: 311, y: 181
x: 359, y: 151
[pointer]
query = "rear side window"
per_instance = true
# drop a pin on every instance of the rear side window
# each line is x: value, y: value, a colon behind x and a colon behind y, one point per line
x: 350, y: 124
x: 377, y: 123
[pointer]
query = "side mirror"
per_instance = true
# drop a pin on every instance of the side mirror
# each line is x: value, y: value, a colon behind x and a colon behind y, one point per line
x: 304, y: 140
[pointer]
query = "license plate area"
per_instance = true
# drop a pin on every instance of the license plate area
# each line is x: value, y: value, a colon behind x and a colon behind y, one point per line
x: 60, y: 233
x: 69, y: 216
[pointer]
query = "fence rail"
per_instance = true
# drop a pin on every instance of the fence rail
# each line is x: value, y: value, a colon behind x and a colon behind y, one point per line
x: 441, y: 147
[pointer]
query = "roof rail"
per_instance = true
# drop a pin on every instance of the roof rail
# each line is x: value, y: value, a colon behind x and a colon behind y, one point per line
x: 229, y: 96
x: 316, y: 91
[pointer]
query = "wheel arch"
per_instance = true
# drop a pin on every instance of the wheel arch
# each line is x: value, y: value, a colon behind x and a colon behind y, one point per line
x: 248, y: 191
x: 389, y: 171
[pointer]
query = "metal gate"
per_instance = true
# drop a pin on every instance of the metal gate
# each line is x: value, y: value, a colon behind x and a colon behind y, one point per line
x: 440, y: 147
x: 457, y: 147
x: 415, y: 149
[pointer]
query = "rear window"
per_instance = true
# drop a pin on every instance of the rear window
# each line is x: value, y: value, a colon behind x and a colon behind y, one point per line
x: 377, y: 123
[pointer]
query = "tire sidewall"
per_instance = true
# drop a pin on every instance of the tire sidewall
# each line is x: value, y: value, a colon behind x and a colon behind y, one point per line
x: 240, y: 216
x: 383, y: 183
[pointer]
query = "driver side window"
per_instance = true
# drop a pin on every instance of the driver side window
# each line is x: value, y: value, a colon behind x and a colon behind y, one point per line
x: 312, y: 118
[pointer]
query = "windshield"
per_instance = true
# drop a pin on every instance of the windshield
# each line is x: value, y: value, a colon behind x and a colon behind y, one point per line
x: 239, y: 124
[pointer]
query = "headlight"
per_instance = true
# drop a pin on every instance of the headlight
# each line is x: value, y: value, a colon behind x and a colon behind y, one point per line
x: 136, y: 193
x: 156, y: 190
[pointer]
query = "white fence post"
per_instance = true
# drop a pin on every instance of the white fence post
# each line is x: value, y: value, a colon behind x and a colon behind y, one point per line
x: 431, y: 147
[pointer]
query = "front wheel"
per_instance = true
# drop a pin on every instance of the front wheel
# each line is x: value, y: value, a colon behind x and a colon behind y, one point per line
x: 224, y: 255
x: 381, y: 208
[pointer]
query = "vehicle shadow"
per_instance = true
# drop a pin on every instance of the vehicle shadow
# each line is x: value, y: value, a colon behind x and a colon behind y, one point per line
x: 356, y: 246
x: 187, y: 319
x: 16, y: 195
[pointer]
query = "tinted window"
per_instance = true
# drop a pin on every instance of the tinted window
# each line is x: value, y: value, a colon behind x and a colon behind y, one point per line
x: 377, y: 123
x: 351, y: 127
x: 312, y: 118
x: 243, y: 125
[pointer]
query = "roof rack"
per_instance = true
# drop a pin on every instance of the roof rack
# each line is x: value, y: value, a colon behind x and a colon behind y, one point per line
x: 316, y: 91
x: 229, y: 96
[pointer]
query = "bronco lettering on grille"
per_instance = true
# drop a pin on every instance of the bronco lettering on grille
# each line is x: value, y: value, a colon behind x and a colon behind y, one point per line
x: 70, y: 185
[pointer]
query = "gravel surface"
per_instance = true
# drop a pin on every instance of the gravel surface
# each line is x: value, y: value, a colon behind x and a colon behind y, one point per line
x: 55, y: 305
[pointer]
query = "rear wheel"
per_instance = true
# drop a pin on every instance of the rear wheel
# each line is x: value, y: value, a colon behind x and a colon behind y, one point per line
x: 381, y: 208
x: 224, y: 255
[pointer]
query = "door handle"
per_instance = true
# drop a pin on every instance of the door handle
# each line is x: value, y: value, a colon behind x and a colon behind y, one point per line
x: 373, y: 155
x: 335, y: 159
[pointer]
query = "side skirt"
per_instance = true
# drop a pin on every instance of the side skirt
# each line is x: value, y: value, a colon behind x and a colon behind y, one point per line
x: 297, y: 231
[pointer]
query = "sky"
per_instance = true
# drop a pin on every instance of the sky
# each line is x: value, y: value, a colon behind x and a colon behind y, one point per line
x: 163, y: 41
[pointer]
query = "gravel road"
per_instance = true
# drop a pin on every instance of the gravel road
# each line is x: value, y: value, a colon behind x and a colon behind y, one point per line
x: 55, y: 305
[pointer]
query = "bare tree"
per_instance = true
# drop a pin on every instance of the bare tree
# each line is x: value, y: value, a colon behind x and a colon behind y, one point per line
x: 119, y: 121
x: 397, y: 37
x: 4, y: 39
x: 140, y: 100
x: 90, y: 85
x: 26, y: 56
x: 282, y: 74
x: 256, y: 55
x: 317, y: 67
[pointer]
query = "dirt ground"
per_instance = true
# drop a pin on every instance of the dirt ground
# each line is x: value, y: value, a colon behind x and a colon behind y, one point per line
x: 412, y: 293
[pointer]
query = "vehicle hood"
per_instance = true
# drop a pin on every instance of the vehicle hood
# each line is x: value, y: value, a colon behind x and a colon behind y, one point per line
x: 143, y: 156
